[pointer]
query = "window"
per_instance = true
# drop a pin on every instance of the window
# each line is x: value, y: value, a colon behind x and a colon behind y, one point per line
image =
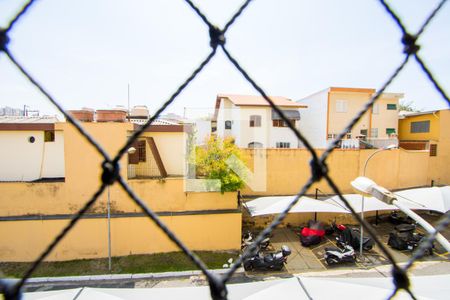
x: 227, y: 124
x: 390, y: 131
x: 281, y: 123
x: 433, y: 149
x: 376, y: 109
x: 391, y: 107
x: 374, y: 132
x: 49, y: 136
x: 255, y: 145
x: 421, y: 126
x: 283, y: 145
x: 349, y: 136
x: 141, y: 151
x: 255, y: 121
x: 341, y: 106
x: 331, y: 136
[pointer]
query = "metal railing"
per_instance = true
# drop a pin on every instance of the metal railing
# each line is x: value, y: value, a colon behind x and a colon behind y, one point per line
x: 319, y: 169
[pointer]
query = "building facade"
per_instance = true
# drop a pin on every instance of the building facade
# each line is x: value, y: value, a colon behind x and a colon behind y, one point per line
x: 254, y: 124
x: 429, y: 131
x: 33, y: 212
x: 330, y: 111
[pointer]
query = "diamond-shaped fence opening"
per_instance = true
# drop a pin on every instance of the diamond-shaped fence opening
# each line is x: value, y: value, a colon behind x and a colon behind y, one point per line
x: 319, y: 170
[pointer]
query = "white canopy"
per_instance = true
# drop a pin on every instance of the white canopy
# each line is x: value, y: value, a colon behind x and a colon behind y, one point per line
x: 275, y: 205
x: 424, y: 287
x: 434, y: 198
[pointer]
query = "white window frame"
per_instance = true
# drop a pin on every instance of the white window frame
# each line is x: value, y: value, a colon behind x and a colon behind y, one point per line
x: 341, y: 106
x: 376, y: 109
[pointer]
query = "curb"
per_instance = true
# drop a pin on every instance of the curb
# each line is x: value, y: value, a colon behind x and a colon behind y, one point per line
x: 165, y: 275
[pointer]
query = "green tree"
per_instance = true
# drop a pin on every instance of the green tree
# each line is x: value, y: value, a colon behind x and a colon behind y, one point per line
x: 211, y: 162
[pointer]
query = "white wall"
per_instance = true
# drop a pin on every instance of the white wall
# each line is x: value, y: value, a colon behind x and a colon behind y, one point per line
x: 172, y: 149
x: 254, y: 134
x: 313, y: 120
x: 21, y: 160
x: 202, y: 131
x: 54, y: 157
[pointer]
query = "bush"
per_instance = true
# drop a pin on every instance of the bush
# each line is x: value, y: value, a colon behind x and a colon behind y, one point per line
x: 212, y: 162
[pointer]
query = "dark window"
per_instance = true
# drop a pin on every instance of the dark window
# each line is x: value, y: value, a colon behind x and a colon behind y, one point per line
x: 433, y: 149
x: 281, y: 123
x: 390, y: 131
x: 255, y: 121
x: 391, y: 107
x: 255, y: 145
x: 421, y: 126
x: 31, y: 139
x: 141, y: 151
x: 49, y: 136
x: 227, y: 124
x: 283, y: 145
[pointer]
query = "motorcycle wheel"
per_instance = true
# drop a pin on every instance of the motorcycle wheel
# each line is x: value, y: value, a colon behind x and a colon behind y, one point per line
x: 248, y: 266
x: 330, y: 261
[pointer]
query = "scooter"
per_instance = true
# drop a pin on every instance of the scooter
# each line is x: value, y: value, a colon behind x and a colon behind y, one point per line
x: 247, y: 240
x: 272, y: 261
x: 334, y: 255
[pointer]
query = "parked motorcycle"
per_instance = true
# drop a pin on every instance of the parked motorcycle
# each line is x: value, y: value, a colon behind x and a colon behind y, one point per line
x: 312, y: 234
x: 397, y: 218
x: 335, y: 255
x: 352, y: 237
x: 404, y: 237
x: 247, y: 240
x: 272, y: 261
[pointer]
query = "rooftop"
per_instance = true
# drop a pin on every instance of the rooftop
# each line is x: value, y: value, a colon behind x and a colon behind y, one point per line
x: 28, y: 120
x: 251, y: 100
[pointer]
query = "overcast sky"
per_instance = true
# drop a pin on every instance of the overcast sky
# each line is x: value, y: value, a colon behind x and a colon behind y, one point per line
x: 85, y: 52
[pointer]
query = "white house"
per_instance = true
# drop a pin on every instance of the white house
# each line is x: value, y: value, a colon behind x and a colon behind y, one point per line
x: 253, y: 123
x: 30, y: 149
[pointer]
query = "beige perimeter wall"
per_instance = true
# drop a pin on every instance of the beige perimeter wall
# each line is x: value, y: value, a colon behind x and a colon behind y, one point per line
x: 288, y: 169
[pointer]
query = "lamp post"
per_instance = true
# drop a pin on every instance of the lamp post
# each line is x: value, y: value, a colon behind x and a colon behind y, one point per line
x: 390, y: 147
x: 366, y: 186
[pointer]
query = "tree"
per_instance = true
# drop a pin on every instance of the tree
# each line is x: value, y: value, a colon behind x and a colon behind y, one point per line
x: 407, y: 106
x: 211, y: 162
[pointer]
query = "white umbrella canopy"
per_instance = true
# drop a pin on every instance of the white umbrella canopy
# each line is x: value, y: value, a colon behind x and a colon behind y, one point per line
x: 274, y: 205
x: 53, y: 295
x: 432, y: 198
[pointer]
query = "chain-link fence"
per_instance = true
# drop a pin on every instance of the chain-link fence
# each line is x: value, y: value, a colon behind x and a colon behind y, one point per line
x: 319, y: 170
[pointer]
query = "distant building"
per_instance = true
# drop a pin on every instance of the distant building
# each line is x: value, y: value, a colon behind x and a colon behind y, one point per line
x: 331, y: 110
x: 32, y: 149
x: 9, y: 111
x: 253, y: 123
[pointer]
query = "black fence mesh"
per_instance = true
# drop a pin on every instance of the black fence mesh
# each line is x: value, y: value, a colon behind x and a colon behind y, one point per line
x: 319, y: 170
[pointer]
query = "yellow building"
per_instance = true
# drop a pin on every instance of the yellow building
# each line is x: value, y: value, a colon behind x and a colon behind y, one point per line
x: 429, y: 131
x: 330, y: 111
x: 33, y: 212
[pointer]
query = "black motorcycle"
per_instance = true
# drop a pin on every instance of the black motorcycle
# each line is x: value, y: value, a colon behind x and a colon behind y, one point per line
x: 247, y: 240
x: 272, y: 261
x: 404, y: 237
x: 352, y: 237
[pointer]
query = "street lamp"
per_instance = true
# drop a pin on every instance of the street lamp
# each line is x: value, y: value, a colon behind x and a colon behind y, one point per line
x: 366, y: 186
x: 389, y: 147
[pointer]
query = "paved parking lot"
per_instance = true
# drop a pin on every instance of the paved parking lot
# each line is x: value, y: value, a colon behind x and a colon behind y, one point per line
x: 310, y: 259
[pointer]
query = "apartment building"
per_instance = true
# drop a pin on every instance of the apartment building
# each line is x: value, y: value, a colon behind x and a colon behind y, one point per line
x: 329, y: 111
